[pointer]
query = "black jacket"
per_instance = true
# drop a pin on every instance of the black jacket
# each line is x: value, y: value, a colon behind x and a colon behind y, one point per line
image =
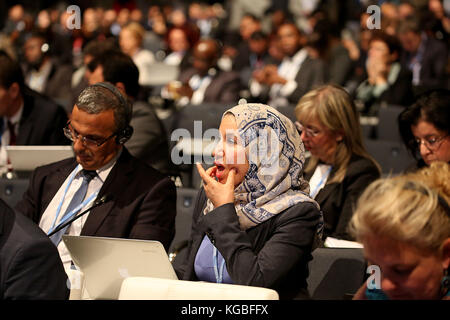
x: 30, y: 267
x: 273, y: 254
x: 142, y: 205
x: 337, y: 200
x: 42, y: 121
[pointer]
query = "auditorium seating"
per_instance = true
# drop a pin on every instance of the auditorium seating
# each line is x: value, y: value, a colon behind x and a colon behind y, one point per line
x: 391, y: 155
x: 185, y: 208
x: 336, y: 273
x: 12, y: 190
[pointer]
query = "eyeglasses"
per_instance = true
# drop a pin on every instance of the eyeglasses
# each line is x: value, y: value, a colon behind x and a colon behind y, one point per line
x: 87, y: 141
x: 432, y: 143
x: 308, y: 132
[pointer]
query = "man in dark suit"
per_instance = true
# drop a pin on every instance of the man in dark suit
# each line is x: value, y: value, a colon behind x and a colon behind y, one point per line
x: 297, y: 74
x: 142, y: 204
x: 30, y: 267
x: 28, y: 118
x: 149, y: 142
x: 424, y: 56
x: 205, y: 82
x: 44, y: 73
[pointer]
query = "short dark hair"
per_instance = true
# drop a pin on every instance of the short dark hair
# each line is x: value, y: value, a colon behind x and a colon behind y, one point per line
x: 410, y: 24
x: 118, y: 67
x: 96, y: 99
x: 10, y: 72
x: 259, y: 35
x: 392, y: 42
x: 96, y: 47
x: 433, y: 107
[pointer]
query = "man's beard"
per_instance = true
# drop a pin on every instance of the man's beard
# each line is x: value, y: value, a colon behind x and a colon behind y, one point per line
x: 36, y: 64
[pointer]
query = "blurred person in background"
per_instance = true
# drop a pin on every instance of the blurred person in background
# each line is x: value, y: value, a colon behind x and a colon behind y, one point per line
x: 43, y: 73
x: 388, y: 81
x: 339, y: 167
x: 130, y: 40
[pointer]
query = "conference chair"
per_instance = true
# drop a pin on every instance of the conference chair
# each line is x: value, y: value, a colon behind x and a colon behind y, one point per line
x: 387, y: 128
x: 288, y: 111
x: 192, y: 122
x: 146, y: 288
x: 12, y: 190
x: 186, y: 198
x: 391, y: 155
x: 336, y: 273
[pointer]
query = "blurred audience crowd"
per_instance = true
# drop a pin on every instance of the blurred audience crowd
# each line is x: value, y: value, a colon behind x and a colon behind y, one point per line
x: 265, y: 51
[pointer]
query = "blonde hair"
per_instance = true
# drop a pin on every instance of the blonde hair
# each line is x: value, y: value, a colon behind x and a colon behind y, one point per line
x: 406, y: 208
x: 332, y: 106
x: 136, y: 30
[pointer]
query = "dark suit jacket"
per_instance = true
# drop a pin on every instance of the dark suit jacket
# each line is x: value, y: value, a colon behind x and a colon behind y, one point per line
x: 337, y: 200
x: 433, y: 65
x: 30, y: 267
x: 312, y: 73
x: 142, y: 207
x: 224, y: 87
x: 42, y: 121
x: 149, y: 141
x: 273, y: 254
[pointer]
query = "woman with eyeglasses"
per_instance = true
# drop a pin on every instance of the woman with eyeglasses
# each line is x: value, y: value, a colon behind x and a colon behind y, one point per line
x: 425, y: 128
x: 339, y: 167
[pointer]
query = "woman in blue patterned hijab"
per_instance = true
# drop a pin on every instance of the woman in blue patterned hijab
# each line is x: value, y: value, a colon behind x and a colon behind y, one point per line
x: 254, y: 223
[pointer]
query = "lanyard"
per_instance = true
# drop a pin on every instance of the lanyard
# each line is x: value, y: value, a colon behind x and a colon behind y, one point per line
x: 321, y: 182
x: 218, y: 271
x: 75, y: 210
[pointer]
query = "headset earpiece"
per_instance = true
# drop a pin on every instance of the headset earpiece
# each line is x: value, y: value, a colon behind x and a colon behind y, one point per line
x: 125, y: 135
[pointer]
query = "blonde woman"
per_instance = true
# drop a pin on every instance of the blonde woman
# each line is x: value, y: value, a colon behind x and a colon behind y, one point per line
x: 130, y: 41
x: 404, y: 224
x: 339, y: 168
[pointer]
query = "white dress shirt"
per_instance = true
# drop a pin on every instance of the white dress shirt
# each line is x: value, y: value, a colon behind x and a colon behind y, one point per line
x: 75, y: 228
x: 288, y: 70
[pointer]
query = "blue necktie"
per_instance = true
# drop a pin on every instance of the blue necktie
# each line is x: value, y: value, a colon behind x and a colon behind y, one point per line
x: 77, y: 199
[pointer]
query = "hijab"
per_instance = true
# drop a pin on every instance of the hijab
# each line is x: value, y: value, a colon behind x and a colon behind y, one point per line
x: 275, y: 152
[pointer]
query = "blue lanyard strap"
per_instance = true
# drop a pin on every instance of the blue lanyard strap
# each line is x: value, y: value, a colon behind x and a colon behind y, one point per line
x: 218, y: 271
x: 321, y: 182
x: 76, y: 209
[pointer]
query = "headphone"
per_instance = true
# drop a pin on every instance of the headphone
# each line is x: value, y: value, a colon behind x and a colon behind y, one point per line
x: 125, y: 134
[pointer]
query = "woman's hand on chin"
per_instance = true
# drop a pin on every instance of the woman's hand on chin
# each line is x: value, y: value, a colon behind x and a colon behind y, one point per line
x: 218, y: 193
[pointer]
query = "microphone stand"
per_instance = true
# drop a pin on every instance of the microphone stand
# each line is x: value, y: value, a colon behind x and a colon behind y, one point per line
x: 97, y: 203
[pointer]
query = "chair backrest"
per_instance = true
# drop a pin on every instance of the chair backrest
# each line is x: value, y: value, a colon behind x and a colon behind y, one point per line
x: 12, y: 190
x: 335, y: 273
x: 288, y: 111
x: 387, y: 128
x: 210, y: 115
x: 146, y: 288
x: 183, y: 221
x: 391, y: 155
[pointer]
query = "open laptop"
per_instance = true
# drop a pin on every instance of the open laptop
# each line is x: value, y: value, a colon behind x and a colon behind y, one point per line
x: 106, y: 262
x: 28, y: 158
